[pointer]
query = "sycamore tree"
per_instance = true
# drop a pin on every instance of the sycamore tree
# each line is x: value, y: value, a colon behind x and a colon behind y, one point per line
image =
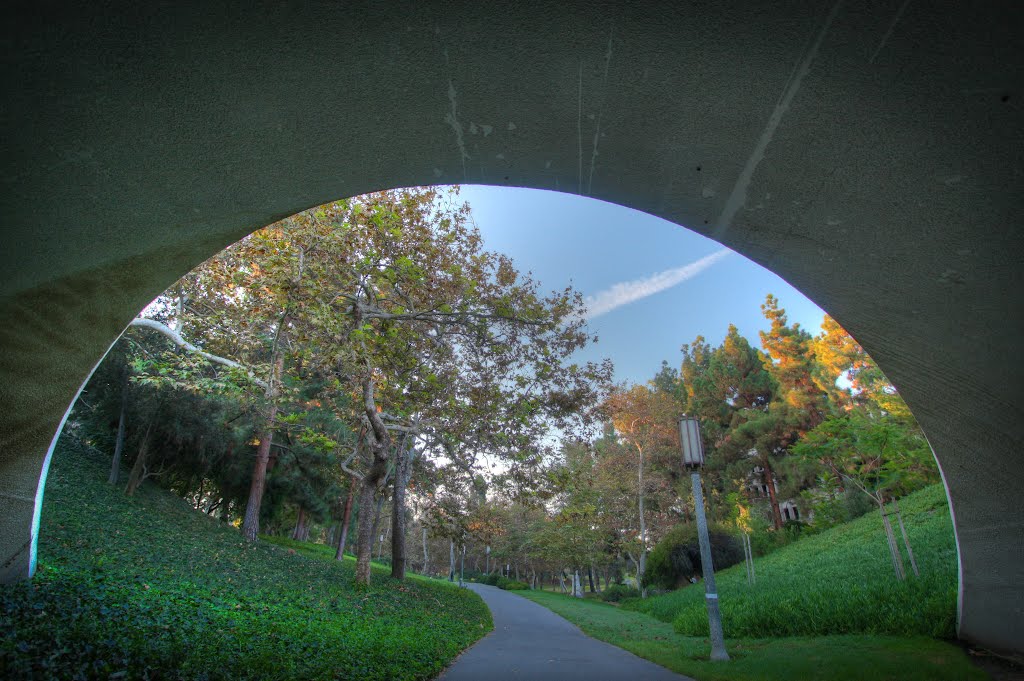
x: 645, y: 423
x: 439, y: 339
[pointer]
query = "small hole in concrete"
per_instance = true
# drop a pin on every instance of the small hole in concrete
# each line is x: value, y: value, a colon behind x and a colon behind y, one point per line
x: 698, y: 169
x: 1005, y: 98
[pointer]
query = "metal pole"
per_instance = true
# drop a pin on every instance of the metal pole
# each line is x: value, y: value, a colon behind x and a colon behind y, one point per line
x: 710, y: 592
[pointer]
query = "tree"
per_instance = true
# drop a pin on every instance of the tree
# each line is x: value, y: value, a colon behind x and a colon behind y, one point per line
x: 439, y: 330
x: 645, y: 420
x: 879, y: 456
x: 839, y: 357
x: 790, y: 362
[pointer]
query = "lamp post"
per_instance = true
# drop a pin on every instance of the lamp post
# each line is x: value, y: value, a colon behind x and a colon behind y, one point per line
x: 693, y: 458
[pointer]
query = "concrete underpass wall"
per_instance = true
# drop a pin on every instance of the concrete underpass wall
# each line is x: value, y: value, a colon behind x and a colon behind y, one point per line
x: 870, y: 154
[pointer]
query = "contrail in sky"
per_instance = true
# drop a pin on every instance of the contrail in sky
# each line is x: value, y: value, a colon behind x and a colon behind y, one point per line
x: 627, y: 292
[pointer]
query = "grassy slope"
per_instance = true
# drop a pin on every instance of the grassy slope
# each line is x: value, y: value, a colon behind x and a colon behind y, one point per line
x: 147, y: 586
x: 838, y: 582
x: 826, y: 658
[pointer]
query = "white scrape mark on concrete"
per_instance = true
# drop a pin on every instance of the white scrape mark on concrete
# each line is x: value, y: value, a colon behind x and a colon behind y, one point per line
x: 832, y: 222
x: 511, y: 126
x: 600, y: 111
x: 547, y: 165
x: 888, y: 33
x: 438, y: 172
x: 472, y: 128
x: 738, y: 196
x: 452, y: 119
x: 500, y: 157
x: 488, y: 129
x: 707, y: 192
x: 953, y: 179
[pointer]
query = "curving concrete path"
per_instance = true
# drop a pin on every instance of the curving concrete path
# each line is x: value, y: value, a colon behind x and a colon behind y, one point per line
x: 531, y: 642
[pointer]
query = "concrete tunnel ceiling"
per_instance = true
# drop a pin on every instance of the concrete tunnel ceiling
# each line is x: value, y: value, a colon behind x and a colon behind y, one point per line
x: 870, y: 153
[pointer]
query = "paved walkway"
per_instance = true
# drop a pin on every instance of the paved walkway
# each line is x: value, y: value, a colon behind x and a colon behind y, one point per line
x: 531, y: 642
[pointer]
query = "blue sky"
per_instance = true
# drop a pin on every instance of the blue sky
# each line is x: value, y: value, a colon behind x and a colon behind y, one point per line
x: 652, y: 284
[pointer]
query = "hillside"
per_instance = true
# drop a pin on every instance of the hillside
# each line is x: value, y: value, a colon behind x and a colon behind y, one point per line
x: 838, y: 582
x: 146, y: 587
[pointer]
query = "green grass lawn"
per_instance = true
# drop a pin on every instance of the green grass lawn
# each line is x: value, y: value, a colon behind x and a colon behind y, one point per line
x: 146, y: 587
x: 838, y: 582
x: 824, y: 658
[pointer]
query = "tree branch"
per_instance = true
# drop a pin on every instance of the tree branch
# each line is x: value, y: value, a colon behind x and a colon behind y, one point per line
x: 180, y: 342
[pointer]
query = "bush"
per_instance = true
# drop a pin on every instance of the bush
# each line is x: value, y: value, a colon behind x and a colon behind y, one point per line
x: 618, y: 592
x: 511, y: 584
x: 490, y: 580
x: 676, y: 557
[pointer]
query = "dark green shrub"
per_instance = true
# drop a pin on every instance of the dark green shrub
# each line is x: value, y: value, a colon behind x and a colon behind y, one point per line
x: 511, y: 584
x: 618, y: 592
x: 491, y: 579
x: 676, y: 558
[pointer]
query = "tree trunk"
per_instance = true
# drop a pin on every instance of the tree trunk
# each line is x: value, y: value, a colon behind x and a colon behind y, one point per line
x: 769, y: 481
x: 639, y: 573
x: 590, y: 578
x: 894, y: 549
x: 641, y: 565
x: 115, y: 463
x: 139, y: 470
x: 364, y: 535
x: 426, y: 555
x: 301, y: 531
x: 251, y: 523
x: 346, y: 519
x: 376, y: 525
x: 451, y: 560
x: 398, y: 557
x: 378, y: 441
x: 906, y: 540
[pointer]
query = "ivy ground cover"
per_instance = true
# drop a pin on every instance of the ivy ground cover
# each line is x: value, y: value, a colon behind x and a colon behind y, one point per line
x: 146, y: 587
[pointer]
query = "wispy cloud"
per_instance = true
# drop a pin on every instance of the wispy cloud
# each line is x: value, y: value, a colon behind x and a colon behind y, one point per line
x: 627, y: 292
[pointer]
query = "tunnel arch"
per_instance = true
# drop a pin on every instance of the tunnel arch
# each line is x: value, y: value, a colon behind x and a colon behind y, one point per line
x: 869, y: 155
